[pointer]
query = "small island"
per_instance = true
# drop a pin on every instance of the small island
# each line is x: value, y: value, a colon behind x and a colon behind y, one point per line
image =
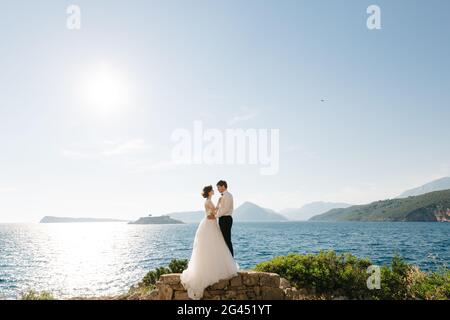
x: 165, y: 219
x: 51, y: 219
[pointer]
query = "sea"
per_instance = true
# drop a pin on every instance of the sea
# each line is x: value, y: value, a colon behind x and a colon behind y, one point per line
x: 98, y: 259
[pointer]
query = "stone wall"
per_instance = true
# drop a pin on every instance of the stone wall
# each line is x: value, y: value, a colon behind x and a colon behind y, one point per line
x: 247, y: 285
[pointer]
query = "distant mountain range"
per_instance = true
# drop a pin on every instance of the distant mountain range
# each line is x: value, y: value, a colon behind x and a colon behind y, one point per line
x: 430, y: 202
x: 247, y: 212
x: 311, y: 209
x: 434, y: 206
x: 51, y: 219
x: 436, y: 185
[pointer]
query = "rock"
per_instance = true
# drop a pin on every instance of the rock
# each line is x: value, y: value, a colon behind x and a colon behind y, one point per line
x: 239, y: 288
x: 216, y: 292
x: 135, y: 296
x: 222, y: 284
x: 212, y: 298
x: 284, y: 284
x: 257, y: 291
x: 269, y: 280
x: 153, y: 295
x: 247, y: 285
x: 236, y: 281
x: 213, y: 294
x: 178, y: 287
x: 299, y: 294
x: 292, y: 294
x: 250, y: 278
x: 181, y: 295
x: 270, y: 293
x: 340, y: 298
x: 241, y: 296
x: 236, y: 295
x: 171, y: 278
x: 165, y: 292
x: 231, y: 295
x: 251, y: 294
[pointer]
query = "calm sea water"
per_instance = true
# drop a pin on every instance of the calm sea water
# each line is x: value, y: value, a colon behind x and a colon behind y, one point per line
x: 107, y: 258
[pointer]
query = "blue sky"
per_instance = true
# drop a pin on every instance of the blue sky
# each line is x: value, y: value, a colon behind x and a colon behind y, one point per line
x: 382, y: 128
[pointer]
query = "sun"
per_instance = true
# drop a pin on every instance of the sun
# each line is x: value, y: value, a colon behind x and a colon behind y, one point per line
x: 105, y: 89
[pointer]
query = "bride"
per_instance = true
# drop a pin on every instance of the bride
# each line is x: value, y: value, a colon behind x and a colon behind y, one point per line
x: 211, y: 260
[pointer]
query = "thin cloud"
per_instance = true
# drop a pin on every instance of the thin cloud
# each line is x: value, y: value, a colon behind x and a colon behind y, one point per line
x: 68, y: 153
x: 154, y: 167
x: 308, y: 154
x: 106, y: 149
x: 245, y: 115
x: 130, y: 146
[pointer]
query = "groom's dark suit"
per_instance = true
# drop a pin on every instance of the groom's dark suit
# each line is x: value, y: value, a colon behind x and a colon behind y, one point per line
x: 225, y: 218
x: 225, y: 223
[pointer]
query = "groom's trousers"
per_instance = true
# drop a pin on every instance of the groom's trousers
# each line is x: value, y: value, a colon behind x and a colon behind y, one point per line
x: 225, y: 223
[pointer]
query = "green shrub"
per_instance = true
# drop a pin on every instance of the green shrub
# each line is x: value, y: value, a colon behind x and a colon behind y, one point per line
x: 329, y: 274
x: 178, y: 266
x: 33, y: 295
x: 175, y: 266
x: 325, y: 273
x: 434, y: 286
x: 152, y: 276
x: 402, y: 281
x: 394, y: 280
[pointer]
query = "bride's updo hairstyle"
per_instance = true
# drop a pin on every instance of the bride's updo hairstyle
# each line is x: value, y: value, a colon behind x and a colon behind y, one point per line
x: 206, y: 191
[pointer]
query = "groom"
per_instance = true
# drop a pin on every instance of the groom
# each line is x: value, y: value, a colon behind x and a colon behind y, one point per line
x: 224, y: 212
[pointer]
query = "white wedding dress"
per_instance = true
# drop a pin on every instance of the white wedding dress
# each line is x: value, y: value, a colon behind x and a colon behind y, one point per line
x: 211, y: 259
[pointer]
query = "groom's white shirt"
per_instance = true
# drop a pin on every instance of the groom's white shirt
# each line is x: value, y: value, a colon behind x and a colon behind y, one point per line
x: 226, y: 205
